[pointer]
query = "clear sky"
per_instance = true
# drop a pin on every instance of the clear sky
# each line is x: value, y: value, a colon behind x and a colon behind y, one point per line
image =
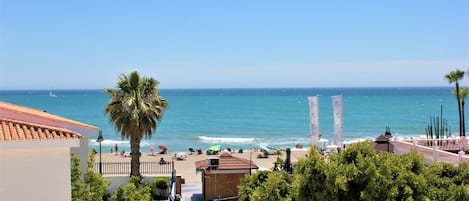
x: 234, y: 44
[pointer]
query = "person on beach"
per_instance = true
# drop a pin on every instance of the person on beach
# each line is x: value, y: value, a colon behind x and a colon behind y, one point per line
x: 162, y: 161
x: 116, y: 148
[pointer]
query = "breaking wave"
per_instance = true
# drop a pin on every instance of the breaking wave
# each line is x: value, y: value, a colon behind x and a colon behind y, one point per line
x: 228, y: 139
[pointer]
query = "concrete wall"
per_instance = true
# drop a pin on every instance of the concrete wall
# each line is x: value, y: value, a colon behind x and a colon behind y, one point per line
x: 430, y: 153
x: 35, y: 174
x: 221, y: 185
x: 82, y: 153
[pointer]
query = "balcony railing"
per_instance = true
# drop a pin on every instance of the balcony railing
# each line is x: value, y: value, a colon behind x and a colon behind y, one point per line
x: 147, y: 168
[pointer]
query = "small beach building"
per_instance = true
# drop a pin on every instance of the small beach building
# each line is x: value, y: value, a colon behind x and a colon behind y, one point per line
x: 221, y: 175
x: 35, y: 149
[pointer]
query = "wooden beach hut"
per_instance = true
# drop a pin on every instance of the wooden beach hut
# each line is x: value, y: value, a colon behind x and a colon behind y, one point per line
x: 221, y: 175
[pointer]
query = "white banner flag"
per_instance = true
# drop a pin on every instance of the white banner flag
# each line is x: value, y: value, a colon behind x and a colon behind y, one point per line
x: 338, y: 121
x: 314, y: 119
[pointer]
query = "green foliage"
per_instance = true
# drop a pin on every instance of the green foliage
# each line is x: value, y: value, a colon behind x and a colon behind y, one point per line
x: 278, y: 153
x: 310, y: 177
x: 92, y: 187
x: 266, y: 185
x: 276, y: 187
x: 448, y: 182
x: 78, y: 186
x: 135, y: 109
x: 249, y: 183
x: 160, y: 188
x: 161, y: 182
x: 360, y: 173
x: 135, y: 190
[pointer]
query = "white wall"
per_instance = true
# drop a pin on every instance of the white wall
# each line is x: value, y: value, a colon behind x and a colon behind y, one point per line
x: 35, y: 174
x: 82, y: 153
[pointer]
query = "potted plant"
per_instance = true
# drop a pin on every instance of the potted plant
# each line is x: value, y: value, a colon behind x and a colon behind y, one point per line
x: 160, y: 188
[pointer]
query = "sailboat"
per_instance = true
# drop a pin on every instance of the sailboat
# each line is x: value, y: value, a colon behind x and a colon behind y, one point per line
x: 52, y: 94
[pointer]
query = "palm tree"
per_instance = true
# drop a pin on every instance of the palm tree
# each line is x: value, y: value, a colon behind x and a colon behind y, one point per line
x: 463, y: 94
x: 454, y: 77
x: 135, y: 109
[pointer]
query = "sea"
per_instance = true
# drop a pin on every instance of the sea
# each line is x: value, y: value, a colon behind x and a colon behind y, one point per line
x: 244, y: 118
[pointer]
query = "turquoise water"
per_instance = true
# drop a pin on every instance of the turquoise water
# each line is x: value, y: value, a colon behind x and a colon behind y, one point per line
x: 242, y: 118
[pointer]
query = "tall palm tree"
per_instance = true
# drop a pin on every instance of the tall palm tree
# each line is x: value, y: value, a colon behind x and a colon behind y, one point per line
x: 463, y: 94
x: 135, y: 109
x: 454, y: 77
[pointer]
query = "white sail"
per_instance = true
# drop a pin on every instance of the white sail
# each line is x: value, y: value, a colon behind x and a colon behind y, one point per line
x: 338, y: 120
x: 313, y: 102
x: 52, y: 94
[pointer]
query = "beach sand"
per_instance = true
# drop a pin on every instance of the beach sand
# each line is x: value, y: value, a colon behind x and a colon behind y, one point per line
x: 186, y: 168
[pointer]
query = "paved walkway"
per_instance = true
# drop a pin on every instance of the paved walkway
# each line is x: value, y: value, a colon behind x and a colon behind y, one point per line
x: 191, y: 192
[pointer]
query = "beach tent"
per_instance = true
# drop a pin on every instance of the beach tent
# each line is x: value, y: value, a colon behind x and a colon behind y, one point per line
x: 264, y: 146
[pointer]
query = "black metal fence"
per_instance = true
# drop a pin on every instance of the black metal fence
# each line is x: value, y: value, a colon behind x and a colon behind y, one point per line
x: 146, y: 168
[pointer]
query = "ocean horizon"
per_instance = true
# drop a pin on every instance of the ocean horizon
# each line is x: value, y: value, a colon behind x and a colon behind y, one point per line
x: 240, y: 118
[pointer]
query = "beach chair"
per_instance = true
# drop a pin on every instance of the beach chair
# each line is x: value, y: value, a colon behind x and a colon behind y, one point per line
x: 191, y: 151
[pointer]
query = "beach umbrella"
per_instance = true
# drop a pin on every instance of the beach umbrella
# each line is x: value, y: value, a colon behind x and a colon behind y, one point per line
x: 181, y: 156
x: 215, y: 148
x: 151, y: 149
x: 163, y: 147
x: 263, y: 145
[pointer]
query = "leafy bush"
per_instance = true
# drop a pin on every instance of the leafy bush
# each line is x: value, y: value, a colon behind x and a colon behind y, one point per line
x: 360, y: 173
x: 92, y: 187
x: 135, y: 190
x: 160, y: 188
x: 265, y: 185
x: 161, y: 182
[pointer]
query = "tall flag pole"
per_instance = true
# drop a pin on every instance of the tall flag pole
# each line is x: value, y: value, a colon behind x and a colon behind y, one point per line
x: 338, y: 120
x: 314, y: 119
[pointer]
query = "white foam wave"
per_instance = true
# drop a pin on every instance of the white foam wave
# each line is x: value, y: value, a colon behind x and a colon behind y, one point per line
x: 227, y: 139
x: 109, y: 142
x: 120, y: 143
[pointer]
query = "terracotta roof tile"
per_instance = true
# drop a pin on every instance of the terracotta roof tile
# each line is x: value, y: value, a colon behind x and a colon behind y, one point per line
x: 15, y: 130
x: 4, y: 106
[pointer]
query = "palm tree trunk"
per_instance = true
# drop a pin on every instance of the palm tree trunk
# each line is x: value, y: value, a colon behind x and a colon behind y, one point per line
x: 459, y: 110
x: 463, y: 121
x: 135, y: 157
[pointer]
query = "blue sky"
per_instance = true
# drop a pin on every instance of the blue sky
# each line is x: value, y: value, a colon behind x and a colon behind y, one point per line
x: 233, y: 44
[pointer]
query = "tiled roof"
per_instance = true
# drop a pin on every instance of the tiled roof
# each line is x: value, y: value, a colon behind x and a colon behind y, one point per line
x: 14, y: 130
x: 227, y: 162
x: 25, y: 112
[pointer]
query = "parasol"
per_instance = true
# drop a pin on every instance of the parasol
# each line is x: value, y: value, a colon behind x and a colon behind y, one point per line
x: 215, y: 148
x: 151, y: 149
x: 163, y: 147
x: 264, y: 146
x: 181, y: 156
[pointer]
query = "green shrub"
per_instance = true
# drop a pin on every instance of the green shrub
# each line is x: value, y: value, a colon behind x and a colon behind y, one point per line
x: 135, y: 190
x: 161, y: 182
x: 92, y: 186
x: 160, y: 188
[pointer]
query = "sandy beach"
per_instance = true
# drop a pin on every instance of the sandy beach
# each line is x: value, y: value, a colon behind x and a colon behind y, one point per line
x: 186, y: 168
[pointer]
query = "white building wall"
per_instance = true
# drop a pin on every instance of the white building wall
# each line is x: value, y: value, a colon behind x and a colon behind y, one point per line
x: 82, y: 153
x: 35, y: 174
